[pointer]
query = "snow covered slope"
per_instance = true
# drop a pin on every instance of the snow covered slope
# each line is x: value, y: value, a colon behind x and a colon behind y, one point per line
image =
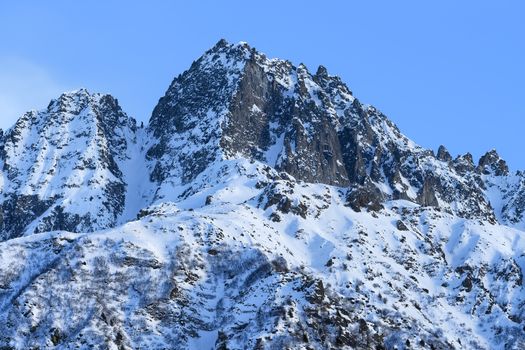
x: 285, y: 265
x: 62, y: 166
x: 263, y: 207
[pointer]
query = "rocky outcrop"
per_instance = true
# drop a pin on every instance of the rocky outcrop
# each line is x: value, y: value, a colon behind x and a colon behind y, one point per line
x: 443, y: 154
x: 491, y: 163
x: 464, y: 164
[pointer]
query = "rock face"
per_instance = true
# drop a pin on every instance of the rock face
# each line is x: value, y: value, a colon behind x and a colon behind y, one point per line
x: 491, y: 163
x: 443, y: 154
x: 263, y: 207
x: 235, y: 102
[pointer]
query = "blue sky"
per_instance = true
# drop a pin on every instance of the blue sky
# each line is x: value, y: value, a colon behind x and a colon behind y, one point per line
x: 446, y: 72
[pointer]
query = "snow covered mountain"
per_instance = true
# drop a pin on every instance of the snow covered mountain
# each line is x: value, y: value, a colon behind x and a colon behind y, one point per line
x: 263, y: 207
x: 62, y: 167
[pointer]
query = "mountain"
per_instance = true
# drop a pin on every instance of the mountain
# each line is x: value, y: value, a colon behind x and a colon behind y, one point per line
x: 234, y: 102
x: 262, y: 207
x: 63, y: 166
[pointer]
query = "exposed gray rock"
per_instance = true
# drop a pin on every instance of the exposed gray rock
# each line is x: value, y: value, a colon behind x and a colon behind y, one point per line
x: 491, y: 163
x: 427, y: 195
x: 443, y: 154
x: 464, y: 164
x: 365, y: 196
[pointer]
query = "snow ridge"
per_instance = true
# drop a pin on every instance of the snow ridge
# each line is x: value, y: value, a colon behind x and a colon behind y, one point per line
x: 263, y: 207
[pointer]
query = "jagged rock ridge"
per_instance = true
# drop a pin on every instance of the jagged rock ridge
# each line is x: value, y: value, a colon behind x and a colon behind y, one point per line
x: 234, y: 101
x: 263, y: 207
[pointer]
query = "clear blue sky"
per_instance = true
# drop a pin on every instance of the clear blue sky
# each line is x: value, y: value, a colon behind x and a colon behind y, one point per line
x: 447, y: 72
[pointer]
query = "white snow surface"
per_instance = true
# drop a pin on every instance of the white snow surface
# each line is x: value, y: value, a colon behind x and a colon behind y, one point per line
x: 418, y: 271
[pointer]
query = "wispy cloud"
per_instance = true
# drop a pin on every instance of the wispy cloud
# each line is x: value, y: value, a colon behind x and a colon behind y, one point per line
x: 24, y: 85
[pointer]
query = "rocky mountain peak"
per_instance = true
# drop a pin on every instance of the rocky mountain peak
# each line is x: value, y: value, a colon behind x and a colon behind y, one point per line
x: 491, y: 163
x: 81, y: 100
x: 240, y: 51
x: 59, y: 160
x: 222, y: 43
x: 322, y: 72
x: 264, y: 208
x: 70, y: 102
x: 443, y: 154
x: 234, y: 102
x: 246, y: 104
x: 464, y: 164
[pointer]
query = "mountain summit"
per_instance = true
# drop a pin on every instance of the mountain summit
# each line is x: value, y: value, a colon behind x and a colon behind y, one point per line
x: 62, y: 166
x: 235, y: 102
x: 263, y: 207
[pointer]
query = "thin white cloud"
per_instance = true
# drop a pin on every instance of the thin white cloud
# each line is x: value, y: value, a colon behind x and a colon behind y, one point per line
x: 24, y: 85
